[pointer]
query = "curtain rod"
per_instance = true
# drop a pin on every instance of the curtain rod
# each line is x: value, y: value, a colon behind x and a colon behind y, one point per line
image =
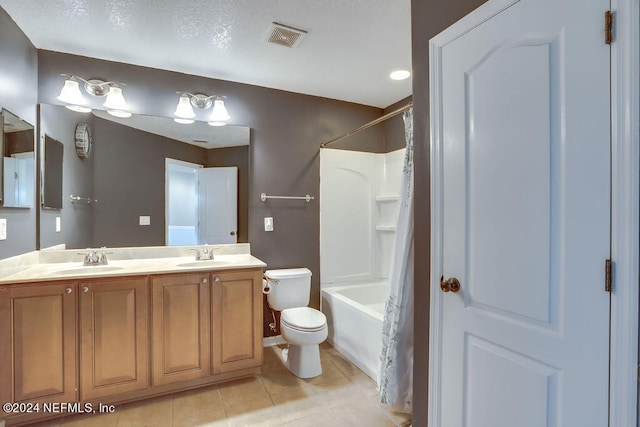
x: 368, y: 125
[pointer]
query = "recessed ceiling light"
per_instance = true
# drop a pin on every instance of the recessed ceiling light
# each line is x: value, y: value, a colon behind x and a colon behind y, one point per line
x: 399, y: 75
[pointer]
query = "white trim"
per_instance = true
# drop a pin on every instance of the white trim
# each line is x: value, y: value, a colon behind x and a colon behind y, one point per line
x: 625, y: 225
x: 435, y: 324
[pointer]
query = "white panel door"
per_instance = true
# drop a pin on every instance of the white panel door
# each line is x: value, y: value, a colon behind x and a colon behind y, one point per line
x: 217, y: 205
x: 522, y: 216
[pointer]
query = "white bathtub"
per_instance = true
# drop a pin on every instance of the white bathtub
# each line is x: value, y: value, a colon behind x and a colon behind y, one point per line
x: 354, y: 316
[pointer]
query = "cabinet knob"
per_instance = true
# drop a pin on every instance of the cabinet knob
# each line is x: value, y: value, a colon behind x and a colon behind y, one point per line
x: 68, y: 290
x: 204, y: 280
x: 216, y: 279
x: 85, y: 289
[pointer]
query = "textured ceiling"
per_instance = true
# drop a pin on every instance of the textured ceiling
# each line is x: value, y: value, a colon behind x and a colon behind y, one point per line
x: 348, y: 53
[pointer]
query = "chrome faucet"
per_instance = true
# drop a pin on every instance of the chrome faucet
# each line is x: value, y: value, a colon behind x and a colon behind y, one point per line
x: 94, y: 257
x: 204, y: 253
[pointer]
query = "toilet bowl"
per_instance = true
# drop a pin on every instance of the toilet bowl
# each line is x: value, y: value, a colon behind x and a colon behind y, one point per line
x: 302, y: 327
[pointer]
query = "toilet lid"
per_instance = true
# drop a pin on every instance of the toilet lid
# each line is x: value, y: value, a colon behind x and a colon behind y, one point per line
x: 305, y: 318
x: 287, y: 273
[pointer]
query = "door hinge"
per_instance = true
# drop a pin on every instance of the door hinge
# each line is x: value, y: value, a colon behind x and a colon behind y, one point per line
x: 607, y: 275
x: 608, y: 27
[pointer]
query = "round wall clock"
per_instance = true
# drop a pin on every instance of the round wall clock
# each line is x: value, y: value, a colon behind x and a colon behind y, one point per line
x: 83, y: 141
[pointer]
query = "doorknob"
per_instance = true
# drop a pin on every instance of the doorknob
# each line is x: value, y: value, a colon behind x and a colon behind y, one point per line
x: 233, y: 233
x: 452, y: 284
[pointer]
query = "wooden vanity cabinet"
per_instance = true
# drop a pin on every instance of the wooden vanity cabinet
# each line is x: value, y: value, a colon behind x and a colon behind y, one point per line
x: 113, y: 336
x: 121, y: 339
x: 236, y: 307
x: 205, y: 324
x: 180, y: 335
x: 38, y: 343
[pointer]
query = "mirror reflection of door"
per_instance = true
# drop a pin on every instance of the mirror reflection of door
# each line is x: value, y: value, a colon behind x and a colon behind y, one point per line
x: 18, y: 162
x: 201, y: 204
x: 217, y: 205
x: 18, y: 180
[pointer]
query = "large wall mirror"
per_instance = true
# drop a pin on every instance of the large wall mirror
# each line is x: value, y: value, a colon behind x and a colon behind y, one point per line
x: 115, y: 193
x: 18, y: 162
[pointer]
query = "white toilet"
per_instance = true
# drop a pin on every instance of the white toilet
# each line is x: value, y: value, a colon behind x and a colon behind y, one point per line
x: 304, y: 328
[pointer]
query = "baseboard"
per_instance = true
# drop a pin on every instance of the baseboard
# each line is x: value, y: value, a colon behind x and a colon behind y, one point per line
x: 274, y: 340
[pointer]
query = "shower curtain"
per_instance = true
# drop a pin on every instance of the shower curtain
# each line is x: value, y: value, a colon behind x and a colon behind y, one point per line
x: 395, y: 376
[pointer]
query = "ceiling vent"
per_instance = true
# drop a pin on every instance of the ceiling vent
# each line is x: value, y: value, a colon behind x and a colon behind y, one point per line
x: 285, y: 35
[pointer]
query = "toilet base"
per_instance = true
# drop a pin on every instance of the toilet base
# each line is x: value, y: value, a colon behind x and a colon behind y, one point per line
x: 302, y: 360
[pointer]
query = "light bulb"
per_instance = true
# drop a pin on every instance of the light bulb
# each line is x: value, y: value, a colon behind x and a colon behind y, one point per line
x: 70, y: 94
x: 184, y: 110
x: 219, y: 113
x: 115, y: 99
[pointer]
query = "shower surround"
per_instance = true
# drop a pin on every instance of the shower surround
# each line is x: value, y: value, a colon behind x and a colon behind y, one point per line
x: 359, y: 196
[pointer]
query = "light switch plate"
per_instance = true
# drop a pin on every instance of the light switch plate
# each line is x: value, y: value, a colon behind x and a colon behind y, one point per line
x: 145, y: 220
x: 58, y: 225
x: 268, y: 224
x: 3, y: 229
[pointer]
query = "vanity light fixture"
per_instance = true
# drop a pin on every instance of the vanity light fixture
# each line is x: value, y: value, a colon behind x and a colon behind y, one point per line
x: 71, y: 95
x: 184, y: 111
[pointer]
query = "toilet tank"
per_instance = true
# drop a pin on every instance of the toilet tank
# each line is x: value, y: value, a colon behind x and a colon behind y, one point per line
x: 290, y: 287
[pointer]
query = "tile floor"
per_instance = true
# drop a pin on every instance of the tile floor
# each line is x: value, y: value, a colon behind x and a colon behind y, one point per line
x: 342, y: 396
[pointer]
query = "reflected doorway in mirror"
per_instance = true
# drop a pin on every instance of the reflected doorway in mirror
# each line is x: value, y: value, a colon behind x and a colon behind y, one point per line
x: 17, y: 168
x: 201, y: 204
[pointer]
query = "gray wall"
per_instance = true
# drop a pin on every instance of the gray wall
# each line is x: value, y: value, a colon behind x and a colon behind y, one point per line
x: 18, y: 94
x: 393, y: 128
x: 428, y: 18
x: 286, y: 130
x: 129, y: 181
x: 76, y: 218
x: 383, y: 137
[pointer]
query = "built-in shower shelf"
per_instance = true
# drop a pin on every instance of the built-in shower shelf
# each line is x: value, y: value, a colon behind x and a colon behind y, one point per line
x: 388, y: 228
x: 387, y: 198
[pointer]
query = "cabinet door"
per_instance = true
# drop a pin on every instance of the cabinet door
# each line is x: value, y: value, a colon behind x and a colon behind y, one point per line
x: 38, y: 343
x: 113, y: 336
x: 237, y: 320
x: 180, y: 328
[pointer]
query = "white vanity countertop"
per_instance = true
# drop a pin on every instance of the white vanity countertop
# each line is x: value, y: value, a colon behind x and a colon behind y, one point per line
x: 52, y: 266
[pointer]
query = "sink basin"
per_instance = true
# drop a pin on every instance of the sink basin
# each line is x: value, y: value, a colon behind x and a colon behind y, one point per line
x: 89, y: 269
x: 205, y: 263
